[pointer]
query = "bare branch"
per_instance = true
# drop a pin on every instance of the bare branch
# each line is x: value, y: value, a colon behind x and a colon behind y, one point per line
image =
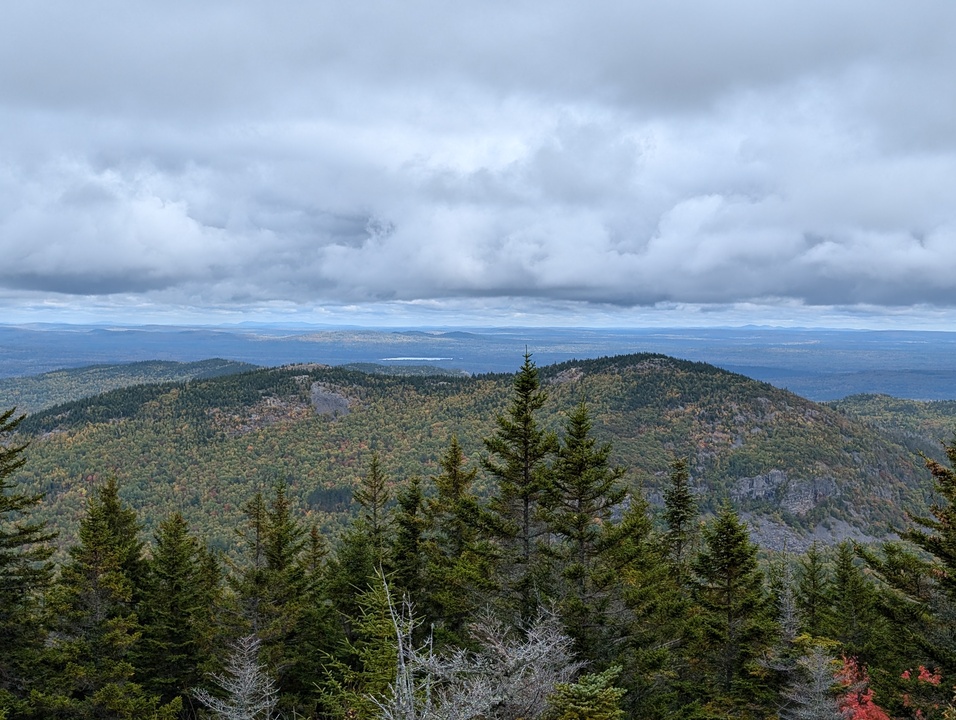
x: 250, y: 694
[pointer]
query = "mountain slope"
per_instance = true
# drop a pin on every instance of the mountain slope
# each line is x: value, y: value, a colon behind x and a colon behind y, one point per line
x: 919, y: 425
x: 205, y: 446
x: 38, y: 392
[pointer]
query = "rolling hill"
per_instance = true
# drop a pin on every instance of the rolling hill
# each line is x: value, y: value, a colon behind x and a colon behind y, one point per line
x: 37, y: 392
x: 797, y: 469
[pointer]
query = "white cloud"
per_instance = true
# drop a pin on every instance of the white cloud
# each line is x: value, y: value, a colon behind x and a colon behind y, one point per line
x: 233, y: 155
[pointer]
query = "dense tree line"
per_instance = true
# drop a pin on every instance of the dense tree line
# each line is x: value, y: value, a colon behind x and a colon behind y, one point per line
x: 559, y: 595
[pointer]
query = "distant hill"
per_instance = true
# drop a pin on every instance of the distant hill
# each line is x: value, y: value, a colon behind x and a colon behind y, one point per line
x: 920, y: 426
x: 409, y: 369
x: 816, y: 363
x: 38, y: 392
x: 797, y: 469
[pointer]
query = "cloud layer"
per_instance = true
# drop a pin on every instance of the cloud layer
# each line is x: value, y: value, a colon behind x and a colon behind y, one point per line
x: 236, y: 155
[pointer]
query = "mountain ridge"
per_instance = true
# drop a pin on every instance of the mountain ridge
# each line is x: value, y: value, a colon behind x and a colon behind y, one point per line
x: 798, y: 469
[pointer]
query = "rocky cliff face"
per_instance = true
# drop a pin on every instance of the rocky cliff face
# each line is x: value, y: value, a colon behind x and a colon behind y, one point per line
x: 795, y: 496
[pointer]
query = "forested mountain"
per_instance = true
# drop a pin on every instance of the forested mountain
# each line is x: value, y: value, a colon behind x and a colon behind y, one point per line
x: 795, y: 467
x: 486, y: 553
x: 922, y: 426
x: 37, y: 392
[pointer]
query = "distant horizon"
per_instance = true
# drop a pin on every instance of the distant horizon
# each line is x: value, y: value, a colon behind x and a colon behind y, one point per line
x: 451, y: 327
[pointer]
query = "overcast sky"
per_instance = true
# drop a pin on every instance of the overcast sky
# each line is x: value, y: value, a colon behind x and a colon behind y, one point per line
x: 680, y: 162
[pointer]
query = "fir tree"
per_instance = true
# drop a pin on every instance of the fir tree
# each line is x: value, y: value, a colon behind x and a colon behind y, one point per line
x: 457, y: 569
x: 96, y: 628
x: 640, y: 622
x: 812, y: 587
x: 735, y: 611
x: 25, y: 573
x: 591, y: 697
x: 855, y: 620
x: 585, y: 494
x: 318, y: 632
x: 364, y: 667
x: 373, y: 496
x: 681, y: 520
x: 176, y: 614
x: 936, y: 533
x: 407, y: 551
x: 363, y: 548
x: 274, y: 589
x: 519, y: 451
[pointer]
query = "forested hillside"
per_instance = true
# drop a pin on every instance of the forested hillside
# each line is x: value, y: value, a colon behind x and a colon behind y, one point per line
x: 38, y: 392
x: 529, y: 579
x: 922, y: 426
x: 204, y: 445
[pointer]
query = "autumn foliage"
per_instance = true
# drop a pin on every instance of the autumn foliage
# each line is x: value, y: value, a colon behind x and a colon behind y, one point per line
x: 856, y: 702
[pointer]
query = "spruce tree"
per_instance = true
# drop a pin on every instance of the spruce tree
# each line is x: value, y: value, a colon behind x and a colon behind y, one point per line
x: 318, y: 631
x: 591, y: 697
x: 735, y: 614
x: 373, y: 496
x: 681, y: 520
x: 921, y: 584
x: 812, y: 588
x: 936, y: 533
x: 458, y: 575
x: 176, y: 614
x: 25, y: 573
x: 408, y: 546
x: 518, y: 462
x: 855, y: 620
x: 363, y: 547
x: 638, y: 623
x: 273, y: 589
x: 95, y: 626
x: 363, y: 667
x: 585, y: 493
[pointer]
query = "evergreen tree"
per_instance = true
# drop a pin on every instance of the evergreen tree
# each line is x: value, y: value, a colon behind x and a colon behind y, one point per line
x: 249, y: 580
x: 584, y: 496
x: 363, y: 548
x: 812, y: 588
x: 408, y: 551
x: 736, y: 615
x: 641, y: 622
x: 922, y: 597
x: 317, y: 635
x: 584, y: 493
x: 457, y: 573
x: 373, y: 496
x: 273, y: 588
x: 519, y: 452
x: 364, y: 667
x: 176, y: 614
x: 25, y: 573
x: 681, y: 519
x: 936, y: 533
x: 95, y: 627
x: 855, y: 620
x: 591, y: 697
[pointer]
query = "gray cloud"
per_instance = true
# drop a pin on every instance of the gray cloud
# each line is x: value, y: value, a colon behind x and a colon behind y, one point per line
x: 226, y: 154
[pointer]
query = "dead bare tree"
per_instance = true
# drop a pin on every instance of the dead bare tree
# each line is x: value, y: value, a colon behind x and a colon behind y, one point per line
x: 250, y: 693
x: 813, y: 695
x: 510, y: 676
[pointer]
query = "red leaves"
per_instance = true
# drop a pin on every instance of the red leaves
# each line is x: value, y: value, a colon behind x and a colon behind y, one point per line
x: 857, y: 703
